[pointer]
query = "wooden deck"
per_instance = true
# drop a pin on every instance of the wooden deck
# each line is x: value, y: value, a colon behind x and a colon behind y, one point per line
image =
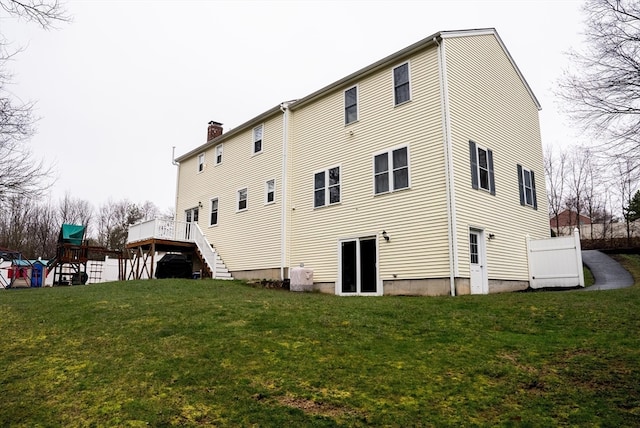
x: 168, y: 236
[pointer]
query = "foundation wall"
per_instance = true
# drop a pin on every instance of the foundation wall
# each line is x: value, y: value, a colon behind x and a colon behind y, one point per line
x: 503, y: 286
x: 271, y: 273
x: 432, y: 287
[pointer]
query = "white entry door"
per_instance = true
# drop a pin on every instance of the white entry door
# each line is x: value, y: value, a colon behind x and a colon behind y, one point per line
x: 190, y: 216
x: 477, y: 263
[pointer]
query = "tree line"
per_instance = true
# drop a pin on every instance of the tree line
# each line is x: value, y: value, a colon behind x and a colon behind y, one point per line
x: 600, y: 95
x: 592, y: 184
x: 33, y: 227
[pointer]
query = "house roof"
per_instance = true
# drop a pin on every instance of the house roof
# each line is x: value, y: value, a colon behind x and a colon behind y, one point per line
x: 383, y: 63
x: 566, y: 217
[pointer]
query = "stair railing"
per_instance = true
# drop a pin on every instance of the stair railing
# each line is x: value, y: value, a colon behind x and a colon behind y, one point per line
x: 207, y: 252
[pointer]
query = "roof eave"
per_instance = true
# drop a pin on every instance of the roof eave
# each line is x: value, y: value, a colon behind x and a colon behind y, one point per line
x: 225, y: 136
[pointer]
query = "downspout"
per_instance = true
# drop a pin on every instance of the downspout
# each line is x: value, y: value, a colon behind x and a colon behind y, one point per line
x: 448, y: 156
x: 284, y: 107
x: 173, y: 162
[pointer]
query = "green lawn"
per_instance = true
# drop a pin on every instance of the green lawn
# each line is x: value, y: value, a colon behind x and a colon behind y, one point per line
x: 211, y: 353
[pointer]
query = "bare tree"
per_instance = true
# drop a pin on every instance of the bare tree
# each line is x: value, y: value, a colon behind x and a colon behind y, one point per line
x: 627, y: 181
x: 114, y: 220
x: 593, y: 199
x: 44, y: 228
x: 106, y: 222
x: 554, y: 169
x: 43, y: 12
x: 602, y: 90
x: 14, y: 223
x: 577, y: 177
x: 19, y: 173
x: 75, y: 211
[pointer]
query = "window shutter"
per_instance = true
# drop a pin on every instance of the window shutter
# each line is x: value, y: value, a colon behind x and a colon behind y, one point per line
x: 473, y: 154
x: 533, y: 188
x: 520, y: 184
x: 492, y: 181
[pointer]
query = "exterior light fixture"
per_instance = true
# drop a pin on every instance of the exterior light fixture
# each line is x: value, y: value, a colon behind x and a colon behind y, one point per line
x: 491, y: 236
x: 385, y: 235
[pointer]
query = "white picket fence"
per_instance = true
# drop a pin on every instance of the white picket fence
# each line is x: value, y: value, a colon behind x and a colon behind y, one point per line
x: 555, y: 262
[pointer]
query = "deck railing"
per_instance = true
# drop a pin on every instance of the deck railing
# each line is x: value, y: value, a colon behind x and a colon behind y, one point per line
x: 174, y: 231
x: 161, y: 229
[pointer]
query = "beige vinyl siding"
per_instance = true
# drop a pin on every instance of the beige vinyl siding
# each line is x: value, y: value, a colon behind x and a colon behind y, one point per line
x: 249, y: 239
x: 414, y: 218
x: 489, y: 104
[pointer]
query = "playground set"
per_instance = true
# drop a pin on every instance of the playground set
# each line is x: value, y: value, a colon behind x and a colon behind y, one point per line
x: 69, y: 266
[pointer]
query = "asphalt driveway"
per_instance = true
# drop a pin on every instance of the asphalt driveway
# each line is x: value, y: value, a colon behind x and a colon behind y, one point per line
x: 608, y: 273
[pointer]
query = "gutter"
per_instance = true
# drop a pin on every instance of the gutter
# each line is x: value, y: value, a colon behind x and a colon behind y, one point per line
x: 448, y: 157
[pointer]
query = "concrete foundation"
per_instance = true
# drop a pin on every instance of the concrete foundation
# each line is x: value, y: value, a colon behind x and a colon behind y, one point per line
x: 272, y: 274
x: 417, y: 287
x: 504, y: 286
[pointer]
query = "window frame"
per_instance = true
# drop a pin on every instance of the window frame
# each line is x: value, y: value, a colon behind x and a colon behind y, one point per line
x: 201, y: 162
x: 239, y: 199
x: 326, y: 187
x: 522, y: 187
x: 219, y: 154
x: 356, y: 105
x: 390, y: 170
x: 266, y: 192
x: 212, y: 211
x: 474, y: 155
x: 254, y: 140
x: 397, y: 86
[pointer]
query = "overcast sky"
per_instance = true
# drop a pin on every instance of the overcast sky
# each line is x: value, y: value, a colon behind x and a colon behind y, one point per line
x: 126, y: 81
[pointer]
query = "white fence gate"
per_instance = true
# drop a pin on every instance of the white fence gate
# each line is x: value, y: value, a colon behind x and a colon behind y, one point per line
x: 555, y: 262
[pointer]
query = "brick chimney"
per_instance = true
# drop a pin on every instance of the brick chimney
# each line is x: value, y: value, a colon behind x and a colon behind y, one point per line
x: 214, y: 130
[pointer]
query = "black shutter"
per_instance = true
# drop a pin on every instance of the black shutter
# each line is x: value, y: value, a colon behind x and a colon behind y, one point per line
x: 520, y: 184
x: 533, y: 188
x: 492, y: 181
x: 473, y: 154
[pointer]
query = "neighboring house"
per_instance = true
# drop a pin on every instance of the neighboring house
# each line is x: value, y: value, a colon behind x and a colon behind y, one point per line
x: 414, y: 175
x: 567, y: 218
x: 566, y: 223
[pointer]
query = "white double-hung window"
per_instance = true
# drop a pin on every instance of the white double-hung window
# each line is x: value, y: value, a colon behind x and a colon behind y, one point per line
x: 351, y: 105
x: 242, y: 199
x: 219, y: 154
x: 200, y: 162
x: 257, y: 139
x: 401, y: 85
x: 326, y: 187
x: 482, y: 175
x: 527, y: 186
x: 391, y: 170
x: 213, y: 220
x: 269, y: 192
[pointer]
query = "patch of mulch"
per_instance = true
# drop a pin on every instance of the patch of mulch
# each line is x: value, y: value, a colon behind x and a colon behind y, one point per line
x: 270, y: 283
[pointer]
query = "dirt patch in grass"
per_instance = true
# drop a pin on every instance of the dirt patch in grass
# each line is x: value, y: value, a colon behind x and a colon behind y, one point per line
x: 312, y: 407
